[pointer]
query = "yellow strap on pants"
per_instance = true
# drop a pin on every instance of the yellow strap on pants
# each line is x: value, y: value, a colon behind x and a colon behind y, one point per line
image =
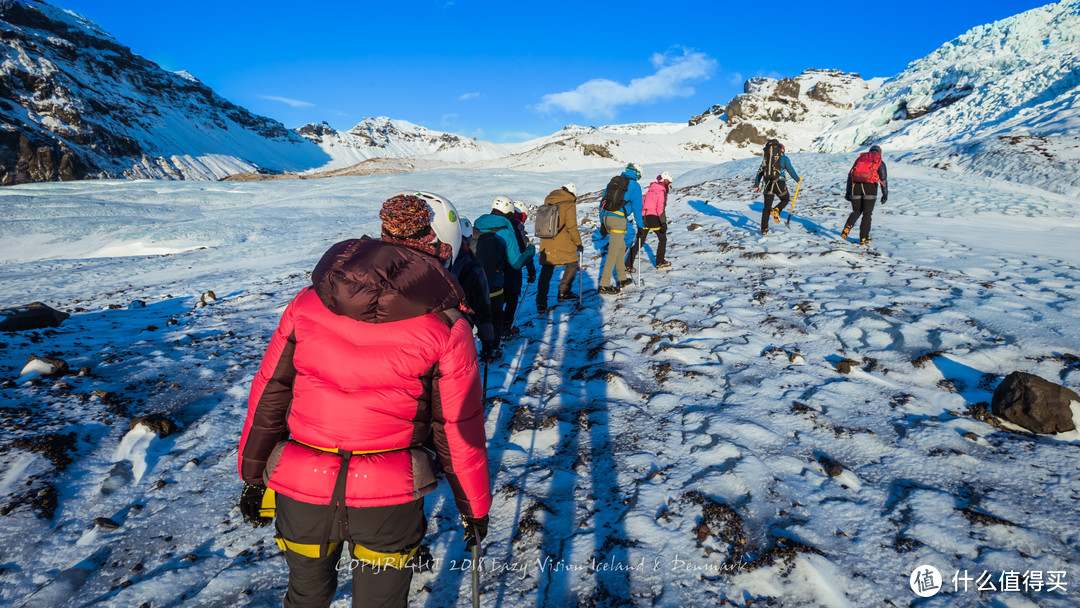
x: 268, y: 508
x: 372, y: 557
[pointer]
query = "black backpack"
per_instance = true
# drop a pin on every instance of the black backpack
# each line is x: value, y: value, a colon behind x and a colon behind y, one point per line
x: 547, y: 222
x: 770, y: 164
x: 615, y: 195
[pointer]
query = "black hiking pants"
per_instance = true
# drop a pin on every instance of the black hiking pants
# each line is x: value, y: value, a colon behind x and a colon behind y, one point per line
x: 313, y: 580
x: 498, y: 316
x: 511, y: 296
x: 861, y: 204
x: 566, y: 284
x: 654, y: 224
x: 775, y: 189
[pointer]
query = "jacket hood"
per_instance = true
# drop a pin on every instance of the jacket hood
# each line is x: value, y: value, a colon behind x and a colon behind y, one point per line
x: 633, y: 175
x: 559, y: 196
x: 379, y: 282
x: 491, y: 222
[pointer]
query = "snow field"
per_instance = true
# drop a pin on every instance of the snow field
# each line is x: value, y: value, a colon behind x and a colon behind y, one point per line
x: 669, y: 446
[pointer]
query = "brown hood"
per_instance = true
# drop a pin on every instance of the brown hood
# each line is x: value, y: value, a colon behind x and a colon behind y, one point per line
x: 559, y: 196
x: 379, y: 282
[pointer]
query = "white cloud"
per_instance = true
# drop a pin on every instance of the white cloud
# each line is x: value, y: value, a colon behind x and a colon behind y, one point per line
x: 599, y: 97
x: 469, y: 96
x: 296, y: 103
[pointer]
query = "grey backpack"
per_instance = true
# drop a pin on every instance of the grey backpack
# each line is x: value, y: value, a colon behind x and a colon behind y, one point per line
x: 547, y: 221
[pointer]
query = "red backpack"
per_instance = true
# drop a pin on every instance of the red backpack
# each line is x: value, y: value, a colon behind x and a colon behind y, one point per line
x: 866, y: 166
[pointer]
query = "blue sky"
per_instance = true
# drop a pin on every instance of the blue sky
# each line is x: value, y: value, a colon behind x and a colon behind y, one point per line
x: 508, y: 71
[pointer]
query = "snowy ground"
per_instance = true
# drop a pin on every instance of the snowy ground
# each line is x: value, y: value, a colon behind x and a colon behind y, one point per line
x: 678, y: 434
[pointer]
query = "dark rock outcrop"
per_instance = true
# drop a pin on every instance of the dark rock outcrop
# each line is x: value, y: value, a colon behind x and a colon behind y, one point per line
x: 32, y: 316
x: 1036, y: 404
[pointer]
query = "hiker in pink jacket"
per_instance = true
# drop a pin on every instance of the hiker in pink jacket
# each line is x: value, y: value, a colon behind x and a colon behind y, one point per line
x: 653, y: 208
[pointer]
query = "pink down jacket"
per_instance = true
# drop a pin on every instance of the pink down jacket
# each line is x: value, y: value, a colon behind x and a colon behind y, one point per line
x: 373, y: 358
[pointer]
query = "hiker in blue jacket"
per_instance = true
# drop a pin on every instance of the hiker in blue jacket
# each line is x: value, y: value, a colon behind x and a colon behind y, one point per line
x: 615, y: 216
x: 774, y: 164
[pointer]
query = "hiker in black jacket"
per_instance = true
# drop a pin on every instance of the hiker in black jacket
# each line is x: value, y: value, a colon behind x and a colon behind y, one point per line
x: 862, y: 188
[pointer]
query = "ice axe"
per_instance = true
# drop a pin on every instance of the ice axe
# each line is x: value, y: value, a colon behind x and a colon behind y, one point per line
x: 791, y: 207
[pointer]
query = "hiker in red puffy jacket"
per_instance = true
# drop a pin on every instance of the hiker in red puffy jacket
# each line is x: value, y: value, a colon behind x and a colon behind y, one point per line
x: 862, y: 186
x: 654, y: 210
x: 366, y: 362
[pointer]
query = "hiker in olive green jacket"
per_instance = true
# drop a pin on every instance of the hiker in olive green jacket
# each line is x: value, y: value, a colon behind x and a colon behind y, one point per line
x: 562, y: 249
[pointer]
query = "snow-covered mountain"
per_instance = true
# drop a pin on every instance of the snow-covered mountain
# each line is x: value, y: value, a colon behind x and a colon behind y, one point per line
x: 1002, y: 100
x: 796, y: 110
x: 75, y: 103
x: 383, y: 137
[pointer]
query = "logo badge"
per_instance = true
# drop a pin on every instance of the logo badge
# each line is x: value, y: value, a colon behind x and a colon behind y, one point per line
x: 925, y: 581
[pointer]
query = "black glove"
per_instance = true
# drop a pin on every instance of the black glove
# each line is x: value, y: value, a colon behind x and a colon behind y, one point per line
x: 250, y: 502
x: 847, y: 197
x: 884, y: 199
x: 479, y: 524
x: 580, y: 249
x: 532, y: 277
x: 641, y: 232
x: 603, y: 229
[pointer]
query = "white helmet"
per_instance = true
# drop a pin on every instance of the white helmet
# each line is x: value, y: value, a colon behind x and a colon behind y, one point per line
x: 520, y: 207
x: 636, y: 168
x: 466, y: 226
x: 444, y: 221
x: 502, y: 204
x: 571, y: 188
x: 664, y: 177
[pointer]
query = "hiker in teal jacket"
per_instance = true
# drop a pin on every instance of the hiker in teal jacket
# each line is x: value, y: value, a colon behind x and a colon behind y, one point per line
x: 615, y: 223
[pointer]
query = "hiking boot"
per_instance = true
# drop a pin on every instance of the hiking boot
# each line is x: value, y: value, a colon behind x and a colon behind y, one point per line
x: 509, y: 333
x: 625, y: 282
x: 630, y: 270
x: 541, y: 307
x: 563, y: 297
x: 843, y: 234
x: 764, y: 232
x: 776, y: 216
x: 663, y: 265
x: 608, y: 290
x: 865, y: 241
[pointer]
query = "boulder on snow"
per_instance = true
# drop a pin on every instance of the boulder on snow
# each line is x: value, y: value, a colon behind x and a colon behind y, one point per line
x: 31, y: 316
x: 1036, y: 404
x: 158, y: 423
x: 44, y: 367
x: 844, y: 366
x: 745, y: 133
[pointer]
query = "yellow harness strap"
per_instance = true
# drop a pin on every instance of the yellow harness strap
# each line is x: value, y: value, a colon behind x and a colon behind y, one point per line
x: 335, y: 450
x: 496, y: 293
x: 652, y: 229
x: 617, y: 231
x: 618, y: 213
x: 374, y: 558
x: 307, y: 550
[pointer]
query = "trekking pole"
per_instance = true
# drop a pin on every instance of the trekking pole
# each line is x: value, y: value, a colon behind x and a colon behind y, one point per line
x: 637, y: 260
x: 791, y: 208
x: 476, y: 570
x: 580, y: 271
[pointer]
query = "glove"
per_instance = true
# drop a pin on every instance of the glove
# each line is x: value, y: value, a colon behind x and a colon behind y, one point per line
x: 756, y: 189
x: 479, y: 524
x: 532, y: 277
x: 580, y: 249
x: 603, y: 230
x: 641, y: 232
x: 250, y: 501
x: 884, y: 200
x: 847, y: 197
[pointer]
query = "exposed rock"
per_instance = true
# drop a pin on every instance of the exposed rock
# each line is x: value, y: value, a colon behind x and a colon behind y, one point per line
x: 1036, y: 404
x: 46, y: 367
x: 31, y: 316
x: 832, y: 468
x: 844, y: 366
x: 787, y: 88
x: 827, y: 92
x: 54, y: 446
x: 760, y: 85
x: 745, y: 133
x: 106, y: 524
x: 717, y: 110
x: 158, y: 423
